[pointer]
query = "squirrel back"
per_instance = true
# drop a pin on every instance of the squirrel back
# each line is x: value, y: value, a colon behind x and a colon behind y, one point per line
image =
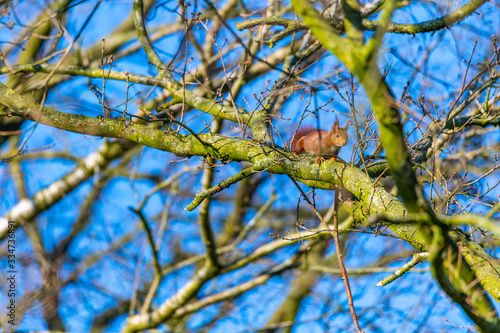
x: 297, y: 143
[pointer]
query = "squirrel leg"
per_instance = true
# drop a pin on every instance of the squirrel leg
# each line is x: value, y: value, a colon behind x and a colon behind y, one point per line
x: 320, y: 159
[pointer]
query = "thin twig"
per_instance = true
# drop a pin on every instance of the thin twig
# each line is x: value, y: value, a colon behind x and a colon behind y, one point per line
x: 335, y: 236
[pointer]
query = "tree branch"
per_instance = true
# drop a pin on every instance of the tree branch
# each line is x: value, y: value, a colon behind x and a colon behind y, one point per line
x: 294, y: 26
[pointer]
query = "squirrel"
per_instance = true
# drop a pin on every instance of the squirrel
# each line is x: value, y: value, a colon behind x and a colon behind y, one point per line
x: 313, y: 140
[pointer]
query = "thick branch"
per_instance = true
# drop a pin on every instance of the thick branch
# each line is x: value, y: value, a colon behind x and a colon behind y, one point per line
x: 293, y: 26
x: 221, y: 147
x: 362, y: 61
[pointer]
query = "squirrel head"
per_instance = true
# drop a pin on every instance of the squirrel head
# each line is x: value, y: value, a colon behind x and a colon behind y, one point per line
x: 338, y: 135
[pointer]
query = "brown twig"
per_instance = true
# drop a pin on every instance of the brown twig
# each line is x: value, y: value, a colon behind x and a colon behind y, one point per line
x: 335, y: 236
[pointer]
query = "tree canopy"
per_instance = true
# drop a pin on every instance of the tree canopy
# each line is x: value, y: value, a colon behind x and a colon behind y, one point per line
x: 148, y: 180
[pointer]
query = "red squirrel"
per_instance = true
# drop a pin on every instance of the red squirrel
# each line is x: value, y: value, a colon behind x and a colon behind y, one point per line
x: 315, y: 141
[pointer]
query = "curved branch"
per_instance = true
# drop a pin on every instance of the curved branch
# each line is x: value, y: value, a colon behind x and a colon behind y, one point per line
x: 200, y: 196
x: 293, y: 26
x: 224, y: 148
x: 27, y: 209
x: 210, y: 106
x: 457, y: 278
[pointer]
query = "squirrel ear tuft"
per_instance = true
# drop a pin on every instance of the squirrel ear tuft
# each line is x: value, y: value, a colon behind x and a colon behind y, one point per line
x: 336, y: 124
